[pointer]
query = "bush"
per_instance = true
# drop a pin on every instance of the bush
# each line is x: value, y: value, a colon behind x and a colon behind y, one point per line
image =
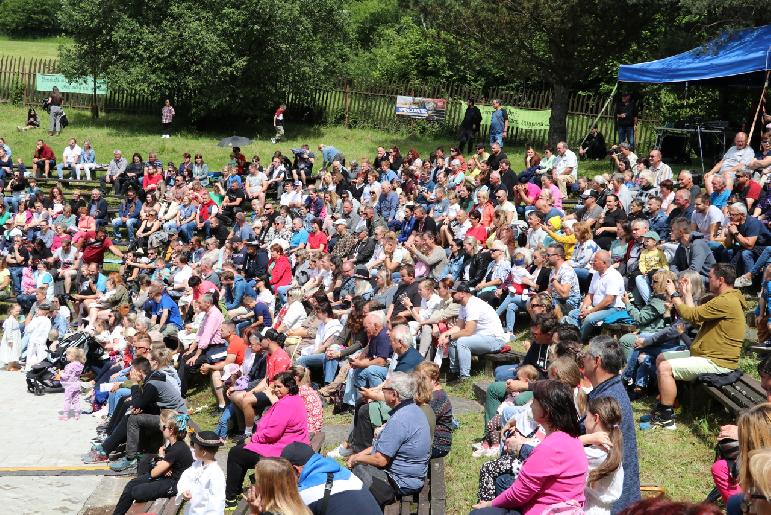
x: 25, y: 18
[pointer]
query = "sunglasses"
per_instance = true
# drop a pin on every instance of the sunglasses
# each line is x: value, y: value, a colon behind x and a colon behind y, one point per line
x: 533, y: 305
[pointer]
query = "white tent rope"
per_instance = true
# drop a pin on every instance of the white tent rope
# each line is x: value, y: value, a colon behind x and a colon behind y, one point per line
x: 594, y: 123
x: 760, y: 102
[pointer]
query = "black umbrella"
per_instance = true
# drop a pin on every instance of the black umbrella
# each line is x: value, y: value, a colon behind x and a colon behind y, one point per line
x: 234, y: 141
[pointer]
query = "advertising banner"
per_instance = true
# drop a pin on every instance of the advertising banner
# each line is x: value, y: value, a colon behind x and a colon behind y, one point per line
x: 431, y: 109
x: 528, y: 119
x: 84, y: 85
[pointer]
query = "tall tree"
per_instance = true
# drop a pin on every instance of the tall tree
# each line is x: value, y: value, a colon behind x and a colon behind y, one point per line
x: 219, y: 58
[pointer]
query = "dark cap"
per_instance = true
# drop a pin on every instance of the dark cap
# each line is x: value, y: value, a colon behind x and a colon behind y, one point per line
x: 462, y: 287
x: 591, y: 193
x: 297, y: 453
x: 361, y: 272
x: 207, y: 439
x: 480, y: 145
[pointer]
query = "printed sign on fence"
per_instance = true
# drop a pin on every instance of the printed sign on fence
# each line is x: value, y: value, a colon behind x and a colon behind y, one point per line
x: 529, y: 119
x: 432, y: 109
x: 83, y: 85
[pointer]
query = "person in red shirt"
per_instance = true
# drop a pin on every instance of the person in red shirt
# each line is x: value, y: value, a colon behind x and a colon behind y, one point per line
x: 746, y: 189
x: 234, y: 354
x: 201, y: 286
x: 153, y: 180
x: 477, y: 230
x: 260, y: 397
x: 93, y: 245
x: 43, y: 158
x: 317, y: 239
x: 240, y: 160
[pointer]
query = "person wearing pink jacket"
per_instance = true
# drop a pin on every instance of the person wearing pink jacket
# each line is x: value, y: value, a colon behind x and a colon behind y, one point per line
x: 208, y: 347
x: 283, y: 423
x: 555, y: 473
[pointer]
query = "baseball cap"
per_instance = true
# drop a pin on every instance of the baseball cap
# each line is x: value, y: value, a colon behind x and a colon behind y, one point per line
x: 297, y: 453
x: 653, y: 235
x: 340, y: 221
x: 462, y: 287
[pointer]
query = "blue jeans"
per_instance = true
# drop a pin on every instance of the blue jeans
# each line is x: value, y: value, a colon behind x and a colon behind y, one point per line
x: 329, y: 366
x: 186, y: 231
x: 224, y: 421
x: 643, y: 370
x: 761, y: 262
x: 362, y: 378
x: 496, y: 138
x: 112, y: 400
x: 130, y: 223
x: 626, y: 134
x: 16, y: 274
x: 510, y: 305
x: 587, y: 324
x: 742, y: 259
x: 461, y: 350
x: 506, y: 372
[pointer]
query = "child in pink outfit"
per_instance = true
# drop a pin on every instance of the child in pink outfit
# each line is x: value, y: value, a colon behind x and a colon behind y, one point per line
x: 70, y: 379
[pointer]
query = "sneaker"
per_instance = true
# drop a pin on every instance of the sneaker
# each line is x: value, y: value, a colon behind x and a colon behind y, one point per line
x: 339, y: 453
x: 94, y: 457
x: 123, y: 464
x: 97, y: 447
x: 491, y: 452
x: 231, y: 504
x: 743, y: 281
x: 662, y: 420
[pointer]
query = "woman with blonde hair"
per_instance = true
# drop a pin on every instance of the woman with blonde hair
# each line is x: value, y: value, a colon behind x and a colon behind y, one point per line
x: 642, y: 349
x: 584, y: 251
x: 274, y: 491
x: 754, y: 432
x: 427, y: 373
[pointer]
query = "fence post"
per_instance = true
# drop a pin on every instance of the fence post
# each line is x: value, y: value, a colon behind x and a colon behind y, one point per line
x: 347, y: 101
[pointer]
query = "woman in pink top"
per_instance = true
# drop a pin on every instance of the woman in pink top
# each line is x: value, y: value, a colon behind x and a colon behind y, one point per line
x: 281, y: 424
x: 555, y: 472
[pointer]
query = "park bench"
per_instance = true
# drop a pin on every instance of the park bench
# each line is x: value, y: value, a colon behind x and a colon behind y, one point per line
x: 430, y: 500
x: 495, y: 359
x: 162, y: 506
x: 734, y: 398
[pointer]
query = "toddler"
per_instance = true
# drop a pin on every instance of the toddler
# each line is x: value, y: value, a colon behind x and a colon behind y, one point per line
x: 70, y: 379
x: 491, y: 442
x: 203, y: 484
x: 652, y: 259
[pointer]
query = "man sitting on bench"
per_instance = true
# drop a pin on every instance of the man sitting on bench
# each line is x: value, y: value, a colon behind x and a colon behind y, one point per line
x: 717, y: 346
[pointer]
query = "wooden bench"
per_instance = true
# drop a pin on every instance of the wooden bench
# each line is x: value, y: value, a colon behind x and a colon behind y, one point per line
x: 162, y: 506
x: 618, y: 330
x: 734, y: 398
x: 495, y: 359
x: 430, y: 500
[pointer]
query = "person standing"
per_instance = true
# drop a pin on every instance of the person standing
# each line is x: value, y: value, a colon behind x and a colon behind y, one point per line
x: 470, y: 126
x: 626, y: 118
x: 167, y: 115
x: 499, y: 124
x: 278, y: 123
x: 55, y: 101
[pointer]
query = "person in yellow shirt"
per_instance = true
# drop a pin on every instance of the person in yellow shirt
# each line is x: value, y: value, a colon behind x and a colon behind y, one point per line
x: 652, y: 259
x: 566, y: 237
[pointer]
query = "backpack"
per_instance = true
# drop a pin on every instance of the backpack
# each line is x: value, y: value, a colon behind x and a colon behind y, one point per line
x: 63, y: 121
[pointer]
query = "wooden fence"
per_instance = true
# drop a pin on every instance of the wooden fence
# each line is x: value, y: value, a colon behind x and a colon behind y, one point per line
x: 347, y: 104
x: 17, y: 84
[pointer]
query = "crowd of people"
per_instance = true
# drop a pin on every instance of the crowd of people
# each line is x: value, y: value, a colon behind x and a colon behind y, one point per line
x: 310, y: 279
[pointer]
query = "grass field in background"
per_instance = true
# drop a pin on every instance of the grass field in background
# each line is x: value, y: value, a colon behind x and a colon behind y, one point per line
x: 141, y: 133
x: 47, y: 48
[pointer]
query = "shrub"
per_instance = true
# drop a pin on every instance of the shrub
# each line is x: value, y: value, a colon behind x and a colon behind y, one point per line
x: 25, y: 18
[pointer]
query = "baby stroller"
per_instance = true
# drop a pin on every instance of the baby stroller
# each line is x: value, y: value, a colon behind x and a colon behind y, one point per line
x: 41, y: 379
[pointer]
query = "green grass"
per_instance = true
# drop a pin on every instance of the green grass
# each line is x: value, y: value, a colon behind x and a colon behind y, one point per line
x: 138, y: 133
x: 47, y: 48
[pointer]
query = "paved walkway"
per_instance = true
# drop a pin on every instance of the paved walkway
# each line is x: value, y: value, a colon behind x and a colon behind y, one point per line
x: 33, y: 436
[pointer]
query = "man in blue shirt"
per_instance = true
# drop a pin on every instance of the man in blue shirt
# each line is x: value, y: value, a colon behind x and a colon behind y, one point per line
x: 370, y: 369
x: 164, y: 311
x: 387, y: 202
x: 330, y: 154
x: 397, y: 462
x: 499, y: 124
x: 299, y: 238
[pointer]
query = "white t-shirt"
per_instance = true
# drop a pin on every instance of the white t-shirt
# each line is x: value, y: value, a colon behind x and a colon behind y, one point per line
x: 325, y: 331
x: 569, y: 160
x: 704, y: 220
x: 610, y: 283
x: 427, y: 307
x: 661, y: 173
x: 181, y: 277
x: 71, y: 155
x: 290, y: 197
x: 487, y: 320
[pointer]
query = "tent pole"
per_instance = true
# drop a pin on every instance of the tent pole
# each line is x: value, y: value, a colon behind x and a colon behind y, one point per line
x: 599, y: 114
x: 760, y: 102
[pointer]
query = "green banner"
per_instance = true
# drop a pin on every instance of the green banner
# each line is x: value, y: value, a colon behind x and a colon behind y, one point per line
x: 83, y: 85
x: 529, y: 119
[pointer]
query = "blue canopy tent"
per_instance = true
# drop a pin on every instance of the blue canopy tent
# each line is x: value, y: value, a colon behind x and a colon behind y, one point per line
x: 741, y: 52
x: 735, y: 57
